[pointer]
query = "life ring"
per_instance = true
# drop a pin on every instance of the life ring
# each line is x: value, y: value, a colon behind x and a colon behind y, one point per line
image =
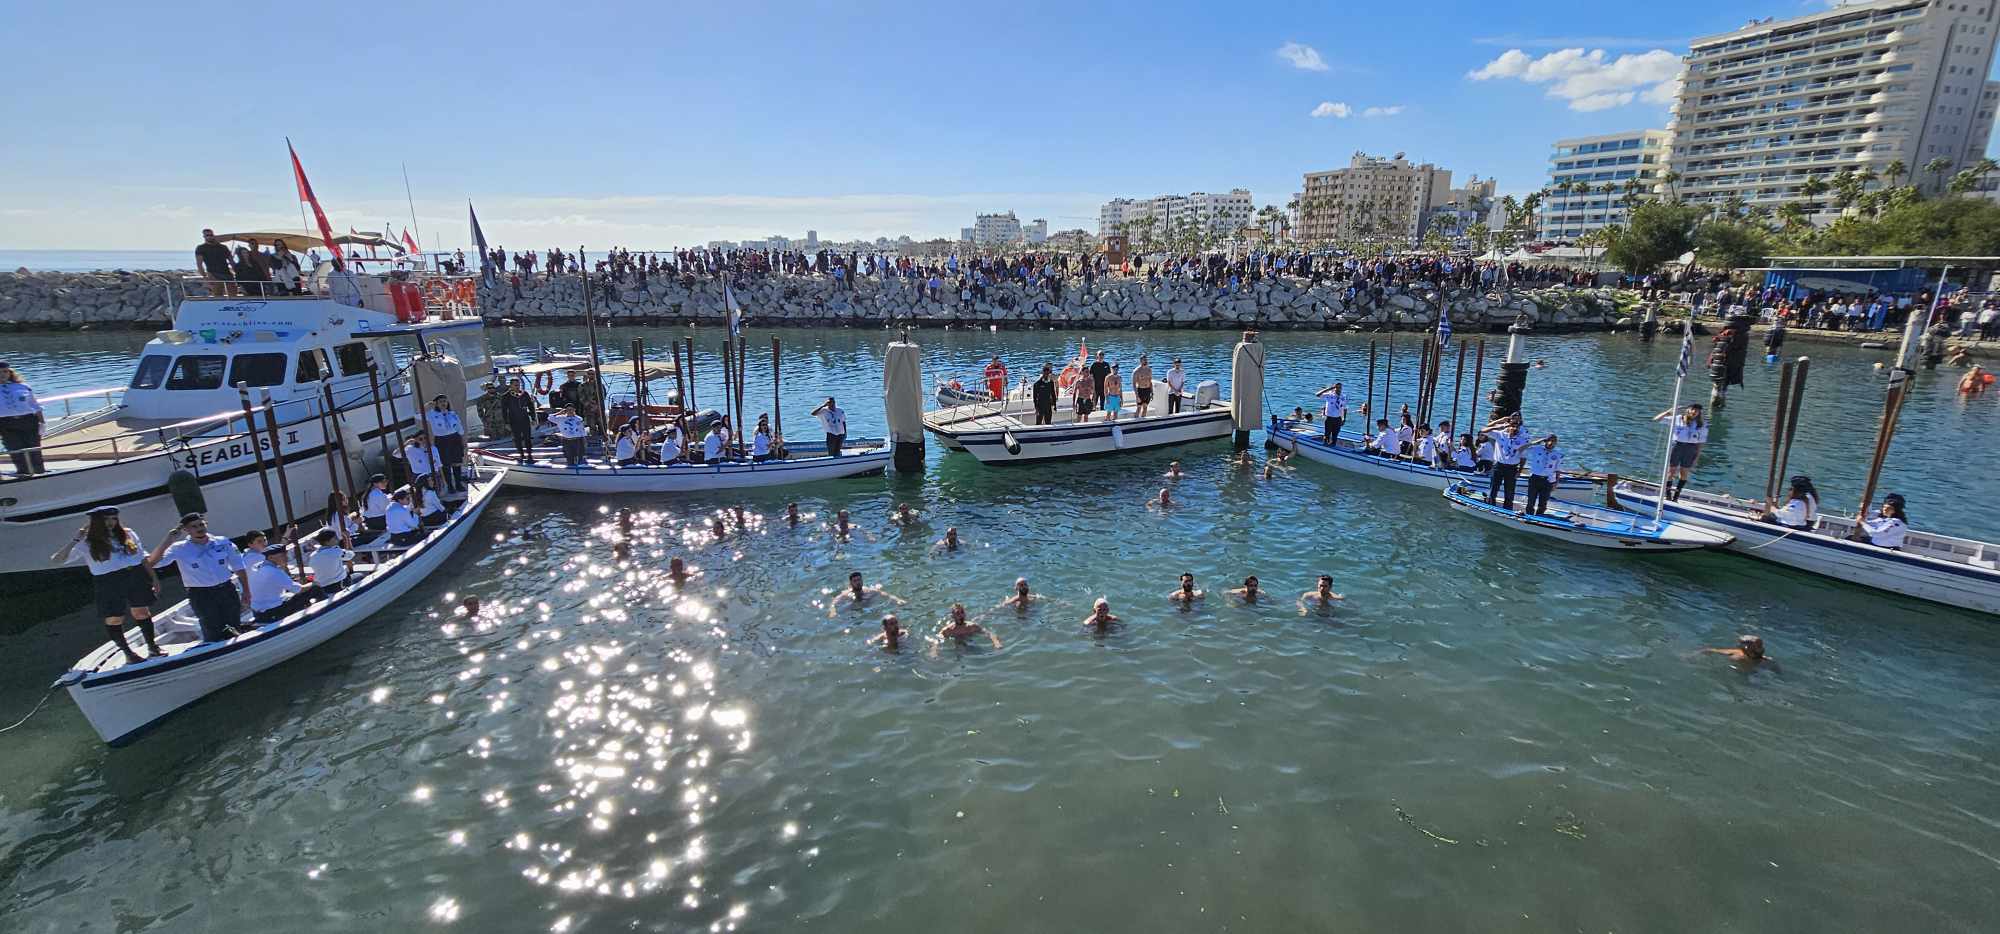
x: 544, y: 382
x: 464, y: 292
x: 436, y: 292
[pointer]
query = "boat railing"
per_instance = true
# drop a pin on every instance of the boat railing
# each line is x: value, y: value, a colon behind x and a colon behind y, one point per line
x: 80, y: 408
x: 154, y: 441
x: 443, y: 297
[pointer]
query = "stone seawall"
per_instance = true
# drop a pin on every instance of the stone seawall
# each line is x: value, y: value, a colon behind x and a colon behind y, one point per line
x: 49, y: 301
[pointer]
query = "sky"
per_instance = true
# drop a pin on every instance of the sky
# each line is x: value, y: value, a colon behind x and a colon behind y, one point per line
x: 647, y: 126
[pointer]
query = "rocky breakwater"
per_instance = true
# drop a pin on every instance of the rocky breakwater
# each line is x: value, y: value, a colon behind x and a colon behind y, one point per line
x: 1280, y: 304
x: 77, y: 301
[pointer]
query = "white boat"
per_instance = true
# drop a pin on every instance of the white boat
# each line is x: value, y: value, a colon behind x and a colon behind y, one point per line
x: 1957, y: 572
x: 1308, y: 441
x: 178, y: 426
x: 121, y: 698
x: 1593, y: 526
x: 1005, y: 437
x: 804, y: 463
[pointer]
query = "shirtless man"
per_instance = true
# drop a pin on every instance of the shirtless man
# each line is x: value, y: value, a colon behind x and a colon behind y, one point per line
x: 1162, y: 502
x: 719, y: 530
x: 843, y: 527
x: 1247, y: 592
x: 958, y: 629
x: 677, y: 569
x: 891, y: 636
x: 1022, y: 596
x: 858, y: 595
x: 1749, y: 653
x: 792, y: 515
x: 904, y: 515
x: 1270, y: 470
x: 949, y: 542
x: 1100, y: 617
x: 1186, y: 595
x: 1174, y: 470
x: 1319, y: 599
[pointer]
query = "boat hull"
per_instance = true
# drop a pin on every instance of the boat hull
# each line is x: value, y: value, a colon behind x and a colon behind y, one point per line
x: 1950, y: 583
x: 1349, y: 457
x: 124, y: 701
x: 1591, y: 526
x: 859, y: 459
x: 1040, y: 443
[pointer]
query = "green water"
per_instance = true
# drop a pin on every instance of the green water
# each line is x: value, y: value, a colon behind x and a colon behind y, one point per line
x: 1487, y: 734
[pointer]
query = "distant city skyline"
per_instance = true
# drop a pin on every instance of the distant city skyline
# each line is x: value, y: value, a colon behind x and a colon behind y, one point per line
x: 733, y: 128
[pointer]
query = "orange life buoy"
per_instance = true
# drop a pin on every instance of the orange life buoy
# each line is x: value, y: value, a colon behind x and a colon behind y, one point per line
x: 544, y: 382
x: 464, y: 292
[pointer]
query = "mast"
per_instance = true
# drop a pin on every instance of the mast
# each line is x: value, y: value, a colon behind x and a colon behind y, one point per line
x: 590, y: 325
x: 1892, y: 402
x: 1673, y: 412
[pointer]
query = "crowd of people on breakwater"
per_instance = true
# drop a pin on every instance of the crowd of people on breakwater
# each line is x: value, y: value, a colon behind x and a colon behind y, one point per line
x: 1958, y: 314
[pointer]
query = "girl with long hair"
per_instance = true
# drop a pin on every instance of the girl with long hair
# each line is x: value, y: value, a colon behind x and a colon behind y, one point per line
x: 123, y: 582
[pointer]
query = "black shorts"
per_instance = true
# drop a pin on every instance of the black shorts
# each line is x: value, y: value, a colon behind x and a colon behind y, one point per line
x: 1145, y: 394
x: 122, y: 591
x: 1683, y: 454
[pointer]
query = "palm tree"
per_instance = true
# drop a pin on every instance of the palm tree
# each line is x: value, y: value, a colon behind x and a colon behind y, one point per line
x: 1813, y: 187
x: 1792, y: 215
x: 1846, y: 188
x: 1479, y: 233
x: 1936, y: 168
x: 1631, y: 192
x: 1894, y: 172
x: 1963, y: 182
x: 1668, y: 178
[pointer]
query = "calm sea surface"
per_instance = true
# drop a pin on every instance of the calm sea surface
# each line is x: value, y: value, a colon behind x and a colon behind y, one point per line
x: 1487, y: 735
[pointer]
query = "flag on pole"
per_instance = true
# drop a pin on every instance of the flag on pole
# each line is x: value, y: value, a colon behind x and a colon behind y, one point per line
x: 411, y: 243
x: 733, y: 310
x: 479, y: 240
x: 319, y: 216
x: 1444, y: 330
x: 1687, y: 350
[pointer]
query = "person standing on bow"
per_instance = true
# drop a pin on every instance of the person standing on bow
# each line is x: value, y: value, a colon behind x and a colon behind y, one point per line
x: 834, y: 420
x: 1690, y: 433
x: 573, y: 432
x: 996, y: 379
x: 21, y: 422
x: 119, y: 576
x: 448, y: 435
x: 1544, y: 468
x: 1334, y: 411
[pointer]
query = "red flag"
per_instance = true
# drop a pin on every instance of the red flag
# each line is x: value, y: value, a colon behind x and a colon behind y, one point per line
x: 306, y: 195
x: 412, y: 244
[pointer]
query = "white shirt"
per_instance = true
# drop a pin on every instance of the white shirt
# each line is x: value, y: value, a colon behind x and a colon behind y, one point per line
x: 1427, y: 450
x: 1176, y: 378
x: 1463, y: 458
x: 329, y: 564
x: 1404, y: 435
x: 444, y: 422
x: 1386, y: 441
x: 270, y: 585
x: 432, y: 504
x: 1798, y: 513
x: 1685, y: 433
x: 343, y: 525
x: 1486, y: 449
x: 1544, y: 461
x: 1336, y: 404
x: 760, y: 444
x: 419, y: 458
x: 119, y: 560
x: 1885, y: 532
x: 628, y: 448
x: 670, y: 446
x: 204, y: 564
x: 18, y: 399
x: 401, y: 519
x: 833, y: 420
x: 1507, y: 448
x: 711, y: 446
x: 570, y: 426
x: 375, y: 503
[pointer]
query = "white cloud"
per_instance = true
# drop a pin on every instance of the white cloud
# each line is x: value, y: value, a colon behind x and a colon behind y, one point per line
x: 1332, y: 109
x: 1303, y: 57
x: 1389, y: 111
x: 1591, y: 80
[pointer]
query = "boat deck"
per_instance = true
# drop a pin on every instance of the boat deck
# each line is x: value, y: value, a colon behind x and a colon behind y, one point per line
x: 1966, y: 551
x: 958, y: 420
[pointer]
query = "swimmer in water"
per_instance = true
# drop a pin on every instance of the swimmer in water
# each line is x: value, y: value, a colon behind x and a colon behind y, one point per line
x: 891, y: 636
x: 1022, y: 596
x: 1163, y: 501
x: 1748, y: 653
x: 1321, y: 598
x: 470, y: 605
x: 792, y: 515
x: 1174, y: 471
x: 844, y: 528
x: 949, y: 542
x: 858, y: 595
x: 1248, y: 592
x: 621, y: 550
x: 720, y: 531
x: 1100, y: 617
x: 958, y: 628
x: 1270, y: 470
x: 1186, y: 595
x: 904, y: 515
x: 1541, y: 364
x: 677, y: 569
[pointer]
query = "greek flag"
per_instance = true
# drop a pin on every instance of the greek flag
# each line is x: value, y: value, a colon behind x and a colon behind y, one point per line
x: 732, y: 310
x: 1444, y: 330
x: 1687, y: 350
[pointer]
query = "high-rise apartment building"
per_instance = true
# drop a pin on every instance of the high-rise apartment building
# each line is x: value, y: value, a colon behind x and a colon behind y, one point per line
x: 1222, y: 213
x: 1635, y: 160
x: 1856, y: 87
x: 1372, y: 197
x: 996, y: 229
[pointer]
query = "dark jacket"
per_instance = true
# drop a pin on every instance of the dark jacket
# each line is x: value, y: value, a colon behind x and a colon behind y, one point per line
x: 518, y: 407
x: 1045, y: 393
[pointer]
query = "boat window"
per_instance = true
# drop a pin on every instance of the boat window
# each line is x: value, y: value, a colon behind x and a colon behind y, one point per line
x: 353, y: 358
x: 152, y: 369
x: 197, y: 371
x: 258, y: 369
x: 312, y: 366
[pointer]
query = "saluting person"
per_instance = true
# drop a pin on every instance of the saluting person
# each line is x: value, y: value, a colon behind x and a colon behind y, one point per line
x: 1544, y: 468
x: 217, y: 581
x: 119, y: 576
x: 448, y: 437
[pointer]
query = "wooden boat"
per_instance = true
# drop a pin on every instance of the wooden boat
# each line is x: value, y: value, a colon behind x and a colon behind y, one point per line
x: 1306, y: 440
x: 1007, y: 437
x: 121, y: 699
x: 804, y: 463
x: 1594, y: 526
x: 1953, y: 571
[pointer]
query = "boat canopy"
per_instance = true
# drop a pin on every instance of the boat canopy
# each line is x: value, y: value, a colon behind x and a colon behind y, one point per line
x: 307, y: 239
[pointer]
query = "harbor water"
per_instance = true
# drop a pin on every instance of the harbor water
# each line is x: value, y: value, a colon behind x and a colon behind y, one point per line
x: 1489, y: 733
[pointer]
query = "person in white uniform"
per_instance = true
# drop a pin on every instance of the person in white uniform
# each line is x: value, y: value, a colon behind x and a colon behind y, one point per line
x: 1890, y: 524
x: 760, y: 441
x: 1690, y: 433
x: 1544, y: 468
x: 671, y: 445
x: 1176, y: 381
x: 218, y: 582
x: 430, y: 507
x: 119, y: 576
x: 20, y: 423
x: 448, y: 437
x: 1801, y: 508
x: 625, y: 450
x: 834, y: 420
x: 375, y: 503
x: 404, y: 527
x: 1333, y: 409
x: 572, y: 431
x: 1508, y: 446
x: 330, y: 564
x: 420, y: 456
x: 274, y: 593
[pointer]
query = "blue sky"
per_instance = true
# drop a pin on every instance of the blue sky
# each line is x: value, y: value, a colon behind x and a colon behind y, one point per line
x: 649, y: 125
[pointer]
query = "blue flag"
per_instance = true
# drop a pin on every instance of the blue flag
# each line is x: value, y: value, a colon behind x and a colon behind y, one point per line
x: 1687, y: 350
x: 479, y: 241
x: 1444, y: 329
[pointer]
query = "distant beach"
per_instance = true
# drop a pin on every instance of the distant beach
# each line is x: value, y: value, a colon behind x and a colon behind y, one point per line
x: 95, y: 260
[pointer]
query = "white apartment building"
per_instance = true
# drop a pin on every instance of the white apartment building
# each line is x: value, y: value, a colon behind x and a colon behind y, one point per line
x: 1856, y: 87
x: 1615, y: 159
x: 1223, y: 213
x: 1462, y: 207
x: 995, y: 229
x: 1373, y: 197
x: 1035, y: 231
